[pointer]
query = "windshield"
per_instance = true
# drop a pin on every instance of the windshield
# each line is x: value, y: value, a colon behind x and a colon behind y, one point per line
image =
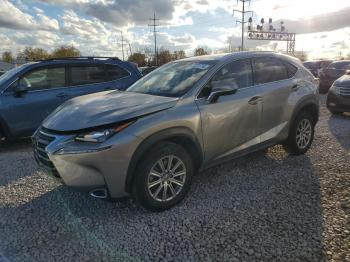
x: 173, y: 80
x: 9, y: 74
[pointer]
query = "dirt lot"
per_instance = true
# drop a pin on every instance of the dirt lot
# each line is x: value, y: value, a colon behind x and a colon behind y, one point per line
x: 264, y: 206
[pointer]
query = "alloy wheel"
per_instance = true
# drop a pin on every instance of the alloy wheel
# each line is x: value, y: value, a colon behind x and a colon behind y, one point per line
x: 304, y: 133
x: 166, y: 178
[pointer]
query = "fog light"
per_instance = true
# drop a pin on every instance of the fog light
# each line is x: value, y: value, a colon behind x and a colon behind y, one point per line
x: 331, y: 104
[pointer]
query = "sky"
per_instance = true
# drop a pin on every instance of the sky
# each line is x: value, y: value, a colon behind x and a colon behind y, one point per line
x: 95, y: 26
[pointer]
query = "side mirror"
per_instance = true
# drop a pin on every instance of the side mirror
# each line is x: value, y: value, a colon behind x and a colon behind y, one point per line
x: 347, y: 72
x: 222, y: 88
x: 20, y: 88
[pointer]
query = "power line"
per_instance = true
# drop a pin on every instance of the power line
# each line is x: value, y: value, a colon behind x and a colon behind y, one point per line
x: 154, y: 25
x: 243, y: 22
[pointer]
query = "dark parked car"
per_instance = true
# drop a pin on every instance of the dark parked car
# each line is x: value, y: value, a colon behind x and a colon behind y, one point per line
x: 316, y: 67
x: 338, y: 98
x: 29, y: 93
x: 332, y: 73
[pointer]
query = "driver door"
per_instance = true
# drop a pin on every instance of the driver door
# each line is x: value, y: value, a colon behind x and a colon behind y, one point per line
x: 232, y: 122
x: 24, y: 112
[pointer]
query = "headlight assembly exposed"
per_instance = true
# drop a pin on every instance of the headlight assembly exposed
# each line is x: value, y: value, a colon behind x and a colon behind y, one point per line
x: 100, y: 136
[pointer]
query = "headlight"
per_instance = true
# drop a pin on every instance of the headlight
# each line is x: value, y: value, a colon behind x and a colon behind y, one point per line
x: 100, y: 136
x: 335, y: 89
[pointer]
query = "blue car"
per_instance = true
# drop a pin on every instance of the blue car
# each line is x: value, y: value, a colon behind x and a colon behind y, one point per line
x: 29, y: 93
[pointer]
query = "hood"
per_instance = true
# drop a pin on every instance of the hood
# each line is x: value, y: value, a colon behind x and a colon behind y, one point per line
x: 343, y: 81
x: 104, y: 108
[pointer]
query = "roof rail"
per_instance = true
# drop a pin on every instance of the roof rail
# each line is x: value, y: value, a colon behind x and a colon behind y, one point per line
x: 80, y: 58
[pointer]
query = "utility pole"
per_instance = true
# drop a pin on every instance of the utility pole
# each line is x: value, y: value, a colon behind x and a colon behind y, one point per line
x: 155, y: 25
x: 243, y: 22
x: 121, y: 32
x: 130, y: 48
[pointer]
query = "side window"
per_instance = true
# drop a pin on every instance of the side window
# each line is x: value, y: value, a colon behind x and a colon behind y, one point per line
x: 269, y: 69
x: 44, y: 78
x: 239, y: 73
x: 115, y: 72
x: 83, y: 75
x: 291, y: 69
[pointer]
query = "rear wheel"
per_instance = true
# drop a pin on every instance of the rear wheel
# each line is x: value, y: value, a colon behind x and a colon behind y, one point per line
x: 301, y: 134
x: 163, y: 177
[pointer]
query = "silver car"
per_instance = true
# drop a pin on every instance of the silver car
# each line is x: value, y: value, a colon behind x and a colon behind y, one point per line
x: 185, y: 116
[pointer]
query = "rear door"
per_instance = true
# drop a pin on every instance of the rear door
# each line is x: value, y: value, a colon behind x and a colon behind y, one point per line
x: 275, y: 82
x: 46, y: 89
x: 91, y: 78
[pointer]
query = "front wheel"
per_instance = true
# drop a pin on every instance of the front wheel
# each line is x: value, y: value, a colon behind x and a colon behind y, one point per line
x: 163, y: 177
x: 301, y: 134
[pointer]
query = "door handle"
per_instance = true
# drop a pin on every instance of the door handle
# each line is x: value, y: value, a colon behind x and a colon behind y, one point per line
x: 254, y: 100
x: 295, y: 87
x: 62, y: 95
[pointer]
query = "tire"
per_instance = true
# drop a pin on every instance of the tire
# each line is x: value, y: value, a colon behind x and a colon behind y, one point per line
x: 295, y: 143
x: 148, y: 189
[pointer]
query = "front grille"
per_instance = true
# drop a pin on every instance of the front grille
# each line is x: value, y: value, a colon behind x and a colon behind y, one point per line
x: 41, y: 141
x: 344, y: 91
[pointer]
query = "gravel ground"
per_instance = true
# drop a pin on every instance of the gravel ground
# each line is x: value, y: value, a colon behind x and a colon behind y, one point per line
x: 265, y: 206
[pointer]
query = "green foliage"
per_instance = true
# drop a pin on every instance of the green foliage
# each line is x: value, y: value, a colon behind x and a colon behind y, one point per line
x: 32, y: 54
x: 138, y: 58
x: 199, y: 51
x: 7, y: 57
x: 65, y: 51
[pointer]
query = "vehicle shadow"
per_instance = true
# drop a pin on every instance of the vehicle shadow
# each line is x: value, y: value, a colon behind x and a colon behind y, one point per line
x: 265, y: 206
x: 20, y: 144
x: 339, y: 125
x: 14, y: 161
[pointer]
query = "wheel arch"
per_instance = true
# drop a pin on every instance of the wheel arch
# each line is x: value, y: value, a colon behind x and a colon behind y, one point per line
x: 180, y: 135
x: 307, y: 105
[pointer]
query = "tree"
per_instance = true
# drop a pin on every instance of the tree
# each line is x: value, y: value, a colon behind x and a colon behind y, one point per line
x: 179, y: 55
x: 200, y: 51
x: 164, y: 56
x: 65, y: 51
x: 7, y: 57
x: 138, y: 58
x: 32, y: 54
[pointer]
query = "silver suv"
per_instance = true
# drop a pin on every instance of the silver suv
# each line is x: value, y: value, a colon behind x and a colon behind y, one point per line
x: 185, y: 116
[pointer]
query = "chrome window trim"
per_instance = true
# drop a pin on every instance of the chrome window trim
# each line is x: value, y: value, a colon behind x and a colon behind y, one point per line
x: 72, y: 86
x: 254, y: 85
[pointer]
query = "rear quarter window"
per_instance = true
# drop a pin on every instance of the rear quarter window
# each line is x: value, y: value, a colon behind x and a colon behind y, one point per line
x: 269, y: 69
x: 291, y: 69
x: 115, y: 72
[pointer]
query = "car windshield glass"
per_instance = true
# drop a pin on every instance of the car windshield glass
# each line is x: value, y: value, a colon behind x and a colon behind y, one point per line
x: 173, y: 80
x: 9, y: 74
